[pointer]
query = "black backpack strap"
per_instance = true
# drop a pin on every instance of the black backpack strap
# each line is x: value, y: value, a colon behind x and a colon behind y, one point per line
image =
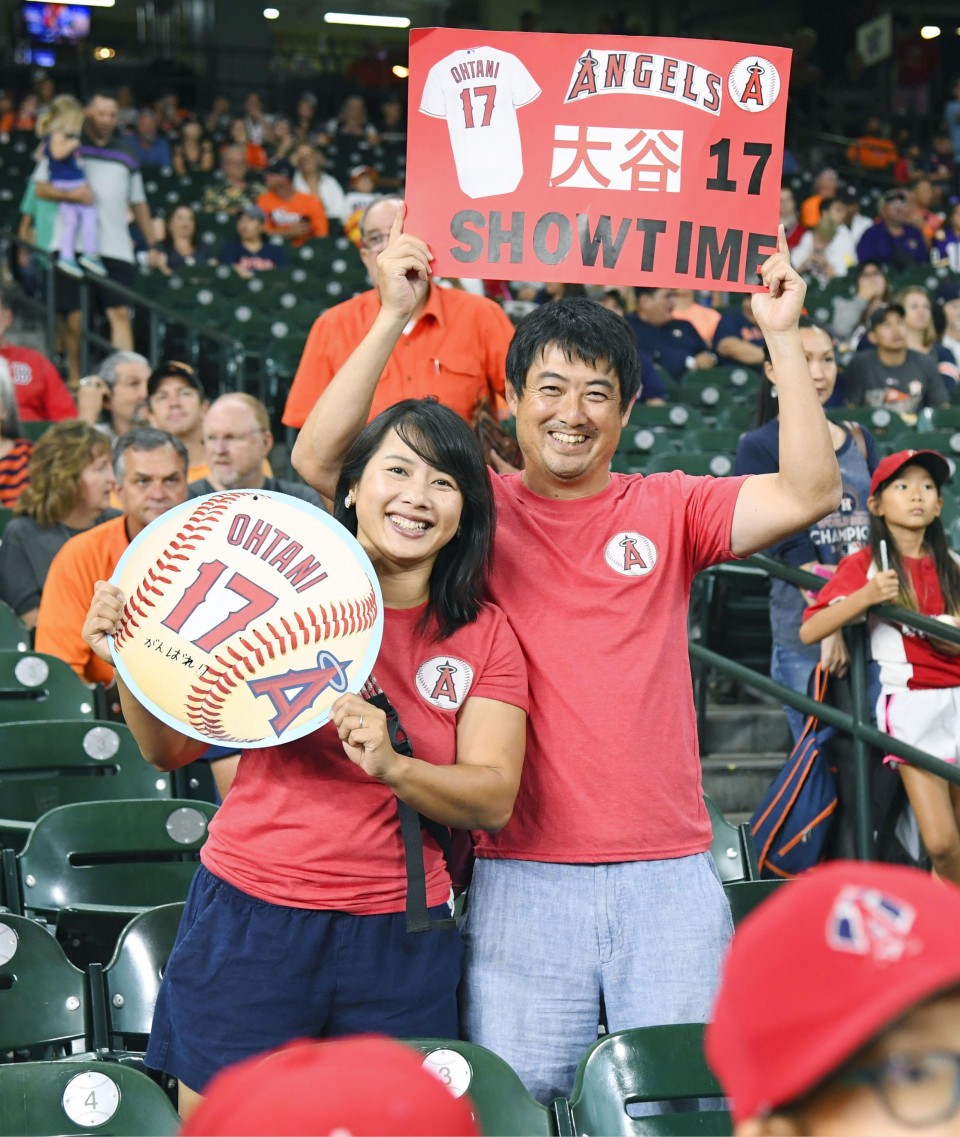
x: 412, y: 825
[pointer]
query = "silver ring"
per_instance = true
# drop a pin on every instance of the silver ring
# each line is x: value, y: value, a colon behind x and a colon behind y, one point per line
x: 360, y: 727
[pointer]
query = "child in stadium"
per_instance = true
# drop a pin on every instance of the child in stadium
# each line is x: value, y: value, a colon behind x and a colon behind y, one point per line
x: 295, y: 923
x: 908, y: 562
x: 60, y: 128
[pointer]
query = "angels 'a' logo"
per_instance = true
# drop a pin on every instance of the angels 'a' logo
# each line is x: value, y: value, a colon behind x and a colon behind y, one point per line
x: 631, y: 554
x: 754, y: 83
x: 444, y: 681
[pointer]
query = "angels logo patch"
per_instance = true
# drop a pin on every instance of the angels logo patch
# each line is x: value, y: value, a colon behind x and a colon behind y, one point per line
x: 445, y: 681
x: 631, y: 554
x: 754, y: 84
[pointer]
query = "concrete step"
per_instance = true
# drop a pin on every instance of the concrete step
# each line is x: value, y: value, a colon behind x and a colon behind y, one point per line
x: 744, y: 729
x: 737, y: 781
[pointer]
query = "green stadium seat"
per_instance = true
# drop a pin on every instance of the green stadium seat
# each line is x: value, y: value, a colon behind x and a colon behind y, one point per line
x: 713, y: 440
x: 945, y: 418
x: 90, y: 867
x: 33, y: 430
x: 35, y: 686
x: 14, y: 635
x: 44, y: 1099
x: 739, y: 416
x: 878, y: 420
x: 744, y: 896
x: 124, y: 993
x: 6, y: 516
x: 673, y: 417
x: 698, y: 464
x: 732, y: 847
x: 504, y: 1107
x: 663, y: 1064
x: 44, y: 764
x: 42, y: 995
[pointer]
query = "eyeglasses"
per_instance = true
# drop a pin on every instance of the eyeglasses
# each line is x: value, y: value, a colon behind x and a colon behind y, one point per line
x: 228, y: 439
x: 374, y: 240
x: 915, y: 1089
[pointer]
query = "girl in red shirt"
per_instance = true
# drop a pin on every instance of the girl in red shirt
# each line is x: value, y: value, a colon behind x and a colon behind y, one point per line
x: 908, y: 563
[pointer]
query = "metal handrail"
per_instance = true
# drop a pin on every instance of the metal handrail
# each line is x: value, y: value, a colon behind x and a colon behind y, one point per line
x: 857, y: 723
x: 232, y: 354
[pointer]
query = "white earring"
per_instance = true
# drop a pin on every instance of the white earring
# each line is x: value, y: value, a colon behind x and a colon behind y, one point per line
x: 348, y: 500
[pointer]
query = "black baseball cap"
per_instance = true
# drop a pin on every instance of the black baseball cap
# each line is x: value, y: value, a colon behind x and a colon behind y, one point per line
x: 881, y: 313
x: 174, y: 369
x: 280, y: 166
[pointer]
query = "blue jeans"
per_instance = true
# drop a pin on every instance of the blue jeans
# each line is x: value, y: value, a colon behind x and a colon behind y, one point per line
x: 793, y: 670
x: 545, y: 942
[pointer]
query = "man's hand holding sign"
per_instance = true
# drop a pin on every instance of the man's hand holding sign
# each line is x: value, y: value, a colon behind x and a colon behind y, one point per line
x: 625, y: 159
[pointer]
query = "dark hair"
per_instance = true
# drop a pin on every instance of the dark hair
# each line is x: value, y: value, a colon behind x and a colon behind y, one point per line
x: 935, y: 538
x: 141, y: 439
x: 767, y: 406
x: 581, y: 329
x: 458, y: 582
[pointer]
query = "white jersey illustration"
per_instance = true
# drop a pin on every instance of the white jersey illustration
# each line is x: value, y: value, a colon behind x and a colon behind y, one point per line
x: 478, y: 91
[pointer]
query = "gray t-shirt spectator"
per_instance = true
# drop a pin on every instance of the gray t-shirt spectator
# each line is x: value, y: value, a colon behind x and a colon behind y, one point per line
x: 113, y: 173
x: 277, y: 485
x: 26, y: 553
x: 905, y: 388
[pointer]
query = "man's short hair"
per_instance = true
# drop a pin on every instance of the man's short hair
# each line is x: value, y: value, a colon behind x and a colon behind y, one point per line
x: 257, y: 409
x: 109, y: 369
x: 102, y: 93
x: 582, y: 329
x: 376, y: 201
x: 144, y: 439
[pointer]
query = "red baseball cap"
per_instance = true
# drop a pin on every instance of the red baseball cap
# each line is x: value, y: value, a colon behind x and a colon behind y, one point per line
x: 930, y: 460
x: 366, y: 1086
x: 820, y: 969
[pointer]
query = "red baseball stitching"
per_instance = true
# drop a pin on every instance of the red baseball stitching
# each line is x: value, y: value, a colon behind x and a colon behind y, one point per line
x: 194, y: 530
x: 207, y: 696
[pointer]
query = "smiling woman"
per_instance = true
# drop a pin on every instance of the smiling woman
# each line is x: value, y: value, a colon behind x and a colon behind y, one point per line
x: 305, y: 864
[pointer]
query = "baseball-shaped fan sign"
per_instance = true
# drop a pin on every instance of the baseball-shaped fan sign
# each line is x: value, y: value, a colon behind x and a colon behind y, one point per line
x: 247, y: 614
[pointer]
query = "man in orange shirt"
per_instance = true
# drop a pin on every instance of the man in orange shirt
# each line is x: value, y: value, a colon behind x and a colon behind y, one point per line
x: 453, y: 348
x: 151, y: 470
x: 295, y: 216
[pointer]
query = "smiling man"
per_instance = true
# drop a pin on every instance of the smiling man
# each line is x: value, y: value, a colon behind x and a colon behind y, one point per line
x: 150, y: 468
x: 177, y: 403
x: 610, y: 837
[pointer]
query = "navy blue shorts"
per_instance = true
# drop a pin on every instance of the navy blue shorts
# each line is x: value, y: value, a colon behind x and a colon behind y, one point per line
x: 246, y: 976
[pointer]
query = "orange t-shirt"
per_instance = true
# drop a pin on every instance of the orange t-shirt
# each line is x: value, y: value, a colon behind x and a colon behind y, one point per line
x: 872, y: 153
x: 67, y: 593
x: 282, y: 212
x: 456, y: 351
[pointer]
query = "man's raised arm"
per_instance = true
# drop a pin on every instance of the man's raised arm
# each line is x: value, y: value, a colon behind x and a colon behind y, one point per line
x: 341, y: 412
x: 807, y: 486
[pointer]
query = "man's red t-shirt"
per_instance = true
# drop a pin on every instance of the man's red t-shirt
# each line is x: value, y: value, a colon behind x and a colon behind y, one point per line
x: 41, y: 394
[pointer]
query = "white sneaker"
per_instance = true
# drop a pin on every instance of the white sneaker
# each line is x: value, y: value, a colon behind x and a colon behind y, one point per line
x: 92, y: 263
x: 70, y: 267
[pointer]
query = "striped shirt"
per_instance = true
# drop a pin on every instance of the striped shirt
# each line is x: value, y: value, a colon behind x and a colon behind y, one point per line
x: 15, y: 472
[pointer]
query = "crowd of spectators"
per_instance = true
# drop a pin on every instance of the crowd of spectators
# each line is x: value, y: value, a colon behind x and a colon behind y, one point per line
x: 142, y: 434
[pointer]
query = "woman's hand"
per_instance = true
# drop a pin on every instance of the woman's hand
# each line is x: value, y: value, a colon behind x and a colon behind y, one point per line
x: 106, y: 607
x: 403, y: 270
x: 366, y: 740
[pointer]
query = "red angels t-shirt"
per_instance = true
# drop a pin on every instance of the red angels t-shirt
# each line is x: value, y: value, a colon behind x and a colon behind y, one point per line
x: 597, y: 592
x: 908, y: 660
x: 304, y: 827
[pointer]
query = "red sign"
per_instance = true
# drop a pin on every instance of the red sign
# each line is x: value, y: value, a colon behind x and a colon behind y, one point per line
x: 595, y: 159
